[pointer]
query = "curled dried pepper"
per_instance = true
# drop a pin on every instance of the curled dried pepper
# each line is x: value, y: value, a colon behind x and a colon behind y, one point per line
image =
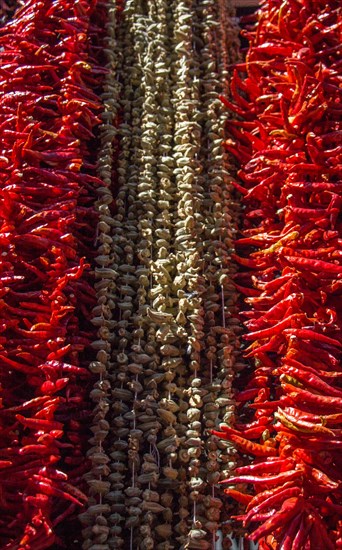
x: 246, y: 446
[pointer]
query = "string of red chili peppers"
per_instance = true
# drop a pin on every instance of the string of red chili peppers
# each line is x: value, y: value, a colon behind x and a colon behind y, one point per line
x: 47, y: 116
x: 288, y: 143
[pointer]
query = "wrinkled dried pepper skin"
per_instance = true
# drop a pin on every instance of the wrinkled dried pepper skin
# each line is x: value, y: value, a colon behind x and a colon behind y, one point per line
x: 48, y: 114
x: 288, y: 148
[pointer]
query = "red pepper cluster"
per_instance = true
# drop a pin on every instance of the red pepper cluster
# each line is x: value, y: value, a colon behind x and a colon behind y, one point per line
x: 48, y: 112
x: 288, y: 143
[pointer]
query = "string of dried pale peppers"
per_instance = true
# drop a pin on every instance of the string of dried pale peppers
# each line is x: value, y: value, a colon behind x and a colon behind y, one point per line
x: 155, y: 491
x: 288, y: 143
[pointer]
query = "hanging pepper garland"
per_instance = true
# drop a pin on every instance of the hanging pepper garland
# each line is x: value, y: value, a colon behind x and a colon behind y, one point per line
x: 288, y: 146
x: 47, y: 115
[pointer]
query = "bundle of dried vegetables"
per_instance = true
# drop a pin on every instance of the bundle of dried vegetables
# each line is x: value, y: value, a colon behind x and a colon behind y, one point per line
x: 94, y: 520
x: 202, y: 263
x: 168, y: 247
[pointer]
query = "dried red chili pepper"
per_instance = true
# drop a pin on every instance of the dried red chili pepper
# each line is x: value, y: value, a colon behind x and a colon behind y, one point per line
x: 299, y: 395
x: 248, y: 447
x: 312, y: 380
x: 288, y: 510
x: 243, y: 498
x: 272, y: 500
x: 274, y: 466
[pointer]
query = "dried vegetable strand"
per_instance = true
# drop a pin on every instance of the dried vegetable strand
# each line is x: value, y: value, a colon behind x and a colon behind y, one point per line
x: 95, y: 518
x: 126, y: 436
x: 163, y: 297
x: 123, y: 234
x: 187, y: 262
x: 147, y: 413
x: 142, y: 421
x: 156, y: 142
x: 133, y: 243
x: 47, y: 219
x: 288, y: 145
x: 194, y: 290
x: 229, y: 43
x: 219, y: 298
